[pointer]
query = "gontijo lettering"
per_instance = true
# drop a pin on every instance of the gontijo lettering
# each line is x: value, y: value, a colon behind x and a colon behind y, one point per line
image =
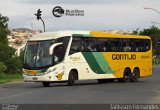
x: 124, y: 57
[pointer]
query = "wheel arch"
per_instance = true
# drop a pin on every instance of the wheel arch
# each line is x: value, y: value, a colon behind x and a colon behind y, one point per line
x: 127, y: 68
x: 75, y: 71
x: 137, y: 68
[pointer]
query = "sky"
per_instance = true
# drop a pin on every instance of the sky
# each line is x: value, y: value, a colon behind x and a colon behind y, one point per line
x: 98, y: 14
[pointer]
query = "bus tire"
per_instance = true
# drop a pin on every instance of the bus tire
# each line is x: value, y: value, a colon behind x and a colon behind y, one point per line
x: 126, y: 76
x: 135, y: 75
x: 46, y: 84
x: 71, y: 79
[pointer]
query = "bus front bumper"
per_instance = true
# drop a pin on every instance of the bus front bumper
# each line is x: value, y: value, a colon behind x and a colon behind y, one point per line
x: 42, y: 78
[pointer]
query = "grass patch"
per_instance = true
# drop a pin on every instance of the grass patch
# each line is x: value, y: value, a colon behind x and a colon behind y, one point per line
x: 10, y: 77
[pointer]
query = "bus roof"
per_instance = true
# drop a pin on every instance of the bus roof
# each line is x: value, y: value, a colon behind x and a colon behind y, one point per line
x: 54, y: 35
x: 112, y: 35
x: 58, y: 34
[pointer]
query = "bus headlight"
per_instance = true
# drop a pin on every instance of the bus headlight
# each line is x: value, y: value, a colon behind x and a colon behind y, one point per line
x: 49, y: 71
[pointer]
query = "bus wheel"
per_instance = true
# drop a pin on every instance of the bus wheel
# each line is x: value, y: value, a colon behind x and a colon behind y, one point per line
x: 102, y: 80
x: 46, y: 84
x: 135, y: 75
x: 126, y: 76
x: 71, y: 79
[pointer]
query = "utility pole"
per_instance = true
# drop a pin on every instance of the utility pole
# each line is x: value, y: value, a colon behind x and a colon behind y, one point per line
x: 38, y: 14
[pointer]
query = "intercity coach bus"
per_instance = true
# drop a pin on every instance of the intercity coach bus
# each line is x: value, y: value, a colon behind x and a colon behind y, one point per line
x: 67, y: 56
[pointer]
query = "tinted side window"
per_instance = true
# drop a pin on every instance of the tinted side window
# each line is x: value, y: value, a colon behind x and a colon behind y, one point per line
x: 145, y: 45
x: 127, y: 45
x: 115, y: 45
x: 65, y: 41
x: 90, y: 44
x: 103, y: 45
x: 83, y: 44
x: 137, y: 45
x: 77, y: 45
x: 58, y: 54
x: 141, y: 45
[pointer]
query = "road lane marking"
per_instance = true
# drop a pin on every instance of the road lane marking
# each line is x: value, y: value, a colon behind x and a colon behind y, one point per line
x: 15, y: 95
x: 20, y: 94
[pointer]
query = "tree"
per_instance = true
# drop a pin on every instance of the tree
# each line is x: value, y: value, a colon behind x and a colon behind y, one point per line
x: 4, y: 29
x: 3, y: 68
x: 136, y: 32
x: 7, y: 54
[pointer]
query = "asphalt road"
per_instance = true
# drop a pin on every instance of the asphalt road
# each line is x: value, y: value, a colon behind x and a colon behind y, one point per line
x: 147, y: 91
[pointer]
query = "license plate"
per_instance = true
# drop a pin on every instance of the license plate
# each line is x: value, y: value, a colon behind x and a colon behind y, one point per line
x: 35, y: 79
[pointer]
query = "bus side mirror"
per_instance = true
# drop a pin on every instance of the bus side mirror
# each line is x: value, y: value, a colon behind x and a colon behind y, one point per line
x: 53, y: 46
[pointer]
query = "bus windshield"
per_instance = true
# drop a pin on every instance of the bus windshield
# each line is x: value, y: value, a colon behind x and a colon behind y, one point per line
x: 37, y: 54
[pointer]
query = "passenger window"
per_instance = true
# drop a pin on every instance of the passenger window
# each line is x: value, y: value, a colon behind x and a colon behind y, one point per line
x: 76, y: 46
x: 115, y: 45
x: 103, y: 45
x: 138, y: 45
x: 90, y: 44
x: 127, y: 45
x: 58, y: 54
x: 145, y: 45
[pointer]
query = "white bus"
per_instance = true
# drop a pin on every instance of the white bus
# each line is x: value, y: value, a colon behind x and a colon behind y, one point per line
x: 81, y: 55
